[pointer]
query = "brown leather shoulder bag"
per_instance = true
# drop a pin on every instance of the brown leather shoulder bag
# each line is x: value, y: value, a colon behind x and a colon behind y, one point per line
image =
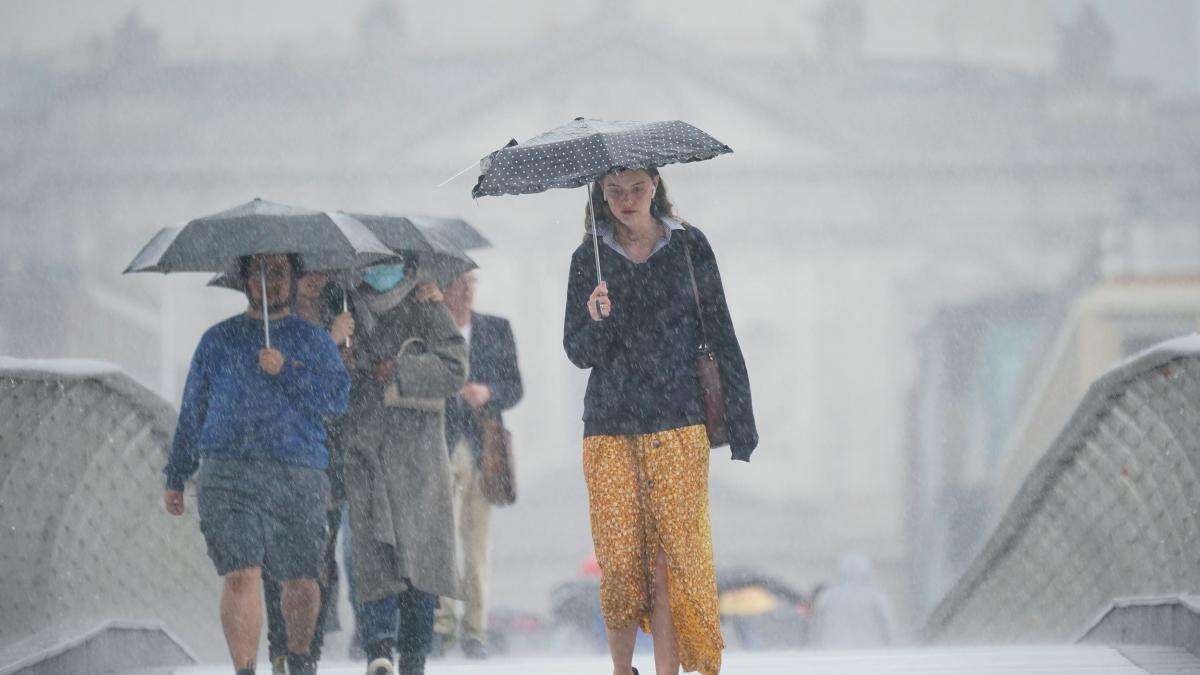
x: 708, y: 371
x: 499, y: 472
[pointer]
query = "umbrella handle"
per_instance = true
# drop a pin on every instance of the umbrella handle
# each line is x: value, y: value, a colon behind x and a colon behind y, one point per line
x: 262, y: 271
x: 346, y: 308
x: 595, y: 245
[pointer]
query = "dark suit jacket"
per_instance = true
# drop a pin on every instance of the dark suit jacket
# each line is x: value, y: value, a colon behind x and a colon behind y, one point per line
x: 493, y: 362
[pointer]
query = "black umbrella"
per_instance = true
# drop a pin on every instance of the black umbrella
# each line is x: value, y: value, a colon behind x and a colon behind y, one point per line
x: 214, y: 243
x: 585, y: 150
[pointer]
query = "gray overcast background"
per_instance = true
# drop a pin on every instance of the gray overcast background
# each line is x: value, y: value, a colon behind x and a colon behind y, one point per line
x: 1154, y: 34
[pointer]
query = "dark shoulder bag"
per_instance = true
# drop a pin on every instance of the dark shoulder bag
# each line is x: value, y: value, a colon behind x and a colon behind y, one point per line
x: 708, y: 371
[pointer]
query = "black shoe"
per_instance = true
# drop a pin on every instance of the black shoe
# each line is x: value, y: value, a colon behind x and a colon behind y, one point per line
x: 474, y: 649
x: 245, y: 671
x: 301, y: 664
x: 635, y: 672
x: 411, y: 664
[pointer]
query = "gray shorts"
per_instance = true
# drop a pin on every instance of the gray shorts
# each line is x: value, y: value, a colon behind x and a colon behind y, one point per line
x: 263, y: 513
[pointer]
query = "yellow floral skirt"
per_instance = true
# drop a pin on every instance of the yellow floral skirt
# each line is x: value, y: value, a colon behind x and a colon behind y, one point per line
x: 648, y: 493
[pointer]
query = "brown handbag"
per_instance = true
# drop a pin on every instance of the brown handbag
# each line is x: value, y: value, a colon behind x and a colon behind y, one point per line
x: 708, y: 371
x: 499, y: 478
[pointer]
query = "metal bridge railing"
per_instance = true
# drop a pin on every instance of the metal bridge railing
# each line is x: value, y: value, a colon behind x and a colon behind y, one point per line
x: 1111, y: 510
x: 84, y: 538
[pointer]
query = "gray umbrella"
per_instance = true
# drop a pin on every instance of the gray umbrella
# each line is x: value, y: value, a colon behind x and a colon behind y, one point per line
x: 433, y: 251
x: 453, y: 231
x: 149, y: 258
x: 213, y: 243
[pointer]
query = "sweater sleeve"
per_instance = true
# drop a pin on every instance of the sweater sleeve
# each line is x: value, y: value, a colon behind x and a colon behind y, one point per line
x: 184, y: 457
x: 587, y: 342
x: 317, y: 379
x: 739, y: 410
x: 505, y: 384
x: 440, y: 371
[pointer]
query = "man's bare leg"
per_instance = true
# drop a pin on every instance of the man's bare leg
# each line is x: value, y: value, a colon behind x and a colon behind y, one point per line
x: 242, y: 614
x: 301, y: 606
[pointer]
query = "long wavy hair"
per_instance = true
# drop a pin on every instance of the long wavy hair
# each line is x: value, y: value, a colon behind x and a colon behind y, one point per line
x: 660, y: 206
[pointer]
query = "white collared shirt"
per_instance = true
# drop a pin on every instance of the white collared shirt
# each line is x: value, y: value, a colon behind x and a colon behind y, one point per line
x: 607, y: 236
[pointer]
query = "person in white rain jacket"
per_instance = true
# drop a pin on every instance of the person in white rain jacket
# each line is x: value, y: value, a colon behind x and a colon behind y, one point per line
x: 852, y: 613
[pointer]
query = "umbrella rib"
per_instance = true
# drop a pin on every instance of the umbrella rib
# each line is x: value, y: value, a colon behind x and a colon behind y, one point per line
x: 451, y: 178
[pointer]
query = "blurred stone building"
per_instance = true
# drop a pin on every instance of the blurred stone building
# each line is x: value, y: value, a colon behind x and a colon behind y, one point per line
x: 891, y: 158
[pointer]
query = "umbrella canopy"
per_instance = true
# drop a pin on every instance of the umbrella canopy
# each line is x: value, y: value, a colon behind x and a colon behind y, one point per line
x: 434, y: 247
x: 435, y: 254
x: 584, y: 150
x: 453, y: 231
x: 213, y: 243
x: 149, y: 258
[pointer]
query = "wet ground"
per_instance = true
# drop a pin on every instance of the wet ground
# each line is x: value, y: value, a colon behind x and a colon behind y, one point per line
x: 1065, y: 660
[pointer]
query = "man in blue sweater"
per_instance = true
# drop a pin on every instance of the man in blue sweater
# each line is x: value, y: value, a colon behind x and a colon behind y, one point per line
x: 253, y: 422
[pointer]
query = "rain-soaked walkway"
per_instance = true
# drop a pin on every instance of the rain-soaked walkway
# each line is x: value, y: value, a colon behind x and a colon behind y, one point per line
x: 1064, y: 660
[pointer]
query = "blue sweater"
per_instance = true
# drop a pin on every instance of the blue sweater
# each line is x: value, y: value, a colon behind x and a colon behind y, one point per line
x: 233, y: 410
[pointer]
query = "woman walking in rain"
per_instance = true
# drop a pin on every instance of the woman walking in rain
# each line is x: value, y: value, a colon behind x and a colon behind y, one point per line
x: 408, y: 358
x: 645, y: 448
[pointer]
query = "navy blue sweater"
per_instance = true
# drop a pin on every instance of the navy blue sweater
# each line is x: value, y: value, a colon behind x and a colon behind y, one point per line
x: 233, y: 410
x: 493, y: 358
x: 643, y: 355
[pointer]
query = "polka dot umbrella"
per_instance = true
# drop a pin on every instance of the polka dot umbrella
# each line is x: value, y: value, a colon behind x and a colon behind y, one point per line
x: 584, y: 150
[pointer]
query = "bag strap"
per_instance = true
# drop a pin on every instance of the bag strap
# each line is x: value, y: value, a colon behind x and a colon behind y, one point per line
x: 687, y: 254
x: 409, y: 343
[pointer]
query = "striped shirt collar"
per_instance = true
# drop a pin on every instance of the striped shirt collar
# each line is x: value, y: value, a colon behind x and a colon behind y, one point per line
x: 606, y: 236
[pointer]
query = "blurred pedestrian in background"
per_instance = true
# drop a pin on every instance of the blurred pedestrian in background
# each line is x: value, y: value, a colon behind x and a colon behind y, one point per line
x: 319, y: 302
x: 408, y: 358
x: 494, y: 385
x: 253, y: 420
x: 851, y: 613
x: 646, y: 450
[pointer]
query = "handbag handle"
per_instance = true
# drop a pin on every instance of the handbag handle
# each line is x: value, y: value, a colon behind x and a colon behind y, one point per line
x: 687, y: 254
